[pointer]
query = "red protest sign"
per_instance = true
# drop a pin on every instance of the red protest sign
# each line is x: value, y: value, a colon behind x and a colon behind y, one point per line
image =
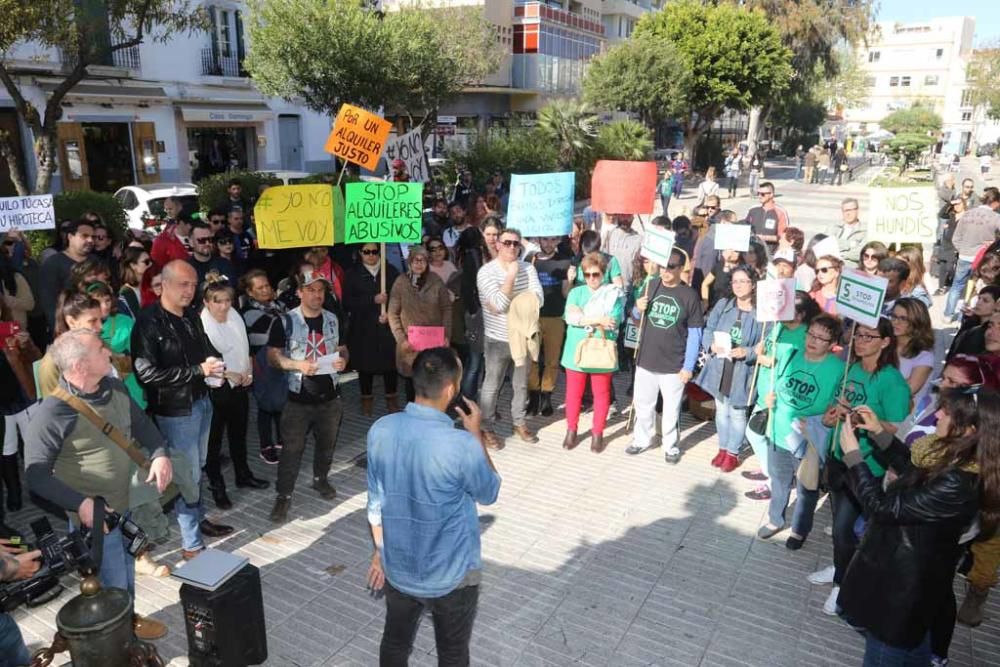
x: 623, y: 187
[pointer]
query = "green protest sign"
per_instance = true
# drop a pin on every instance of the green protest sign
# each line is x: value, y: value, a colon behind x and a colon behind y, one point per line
x: 386, y: 212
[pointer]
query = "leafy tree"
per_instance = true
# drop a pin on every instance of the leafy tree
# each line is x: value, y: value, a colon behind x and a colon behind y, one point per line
x: 624, y: 140
x: 908, y: 147
x: 328, y: 52
x: 845, y: 87
x: 734, y: 56
x: 643, y: 75
x: 571, y: 127
x: 87, y: 32
x: 915, y: 120
x: 982, y: 75
x: 518, y: 151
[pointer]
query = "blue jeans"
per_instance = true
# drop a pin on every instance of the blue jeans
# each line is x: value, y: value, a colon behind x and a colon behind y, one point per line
x: 13, y: 652
x: 665, y: 202
x: 798, y: 171
x: 117, y: 566
x: 962, y: 272
x: 782, y: 469
x: 472, y: 373
x: 189, y: 435
x: 880, y: 654
x: 730, y: 423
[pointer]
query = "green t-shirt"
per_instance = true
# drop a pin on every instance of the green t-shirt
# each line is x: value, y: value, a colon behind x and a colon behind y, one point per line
x: 787, y: 339
x: 614, y: 271
x: 886, y: 393
x: 116, y: 332
x: 579, y: 296
x: 804, y: 389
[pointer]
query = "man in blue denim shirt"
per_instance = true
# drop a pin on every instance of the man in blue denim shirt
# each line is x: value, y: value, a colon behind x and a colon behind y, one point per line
x: 424, y: 480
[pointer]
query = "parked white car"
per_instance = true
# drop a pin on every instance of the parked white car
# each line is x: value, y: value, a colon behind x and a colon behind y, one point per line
x: 143, y: 204
x: 289, y: 177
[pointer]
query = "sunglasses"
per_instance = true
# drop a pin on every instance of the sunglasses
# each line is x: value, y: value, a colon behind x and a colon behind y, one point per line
x: 824, y: 269
x: 511, y: 243
x: 436, y: 246
x: 369, y: 253
x: 764, y: 193
x: 205, y: 240
x: 712, y: 208
x: 145, y: 262
x: 673, y: 267
x: 9, y: 243
x: 593, y: 274
x: 871, y: 255
x: 224, y: 241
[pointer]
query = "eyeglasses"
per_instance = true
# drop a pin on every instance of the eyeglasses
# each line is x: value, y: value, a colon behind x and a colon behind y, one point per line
x: 898, y: 318
x: 369, y: 253
x: 866, y: 337
x: 204, y: 240
x: 741, y: 281
x: 871, y: 255
x: 824, y: 269
x: 810, y: 334
x: 436, y: 246
x: 418, y: 259
x: 593, y: 274
x: 712, y: 208
x: 511, y: 243
x: 764, y: 193
x: 216, y: 221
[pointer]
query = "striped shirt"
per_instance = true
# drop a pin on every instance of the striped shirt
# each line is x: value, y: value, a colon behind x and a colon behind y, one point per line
x: 489, y: 280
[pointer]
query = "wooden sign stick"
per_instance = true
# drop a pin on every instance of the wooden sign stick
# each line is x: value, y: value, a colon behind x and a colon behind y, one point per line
x: 381, y: 274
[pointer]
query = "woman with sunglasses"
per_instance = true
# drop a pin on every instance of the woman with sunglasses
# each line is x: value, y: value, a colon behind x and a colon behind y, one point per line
x: 440, y: 265
x: 872, y: 253
x: 824, y: 290
x: 593, y: 309
x: 727, y: 373
x: 369, y: 339
x: 873, y: 379
x: 471, y: 253
x: 911, y: 324
x: 900, y: 582
x: 135, y: 263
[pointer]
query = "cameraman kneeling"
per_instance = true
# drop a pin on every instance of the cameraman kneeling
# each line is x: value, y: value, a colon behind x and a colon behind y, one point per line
x: 14, y: 565
x: 69, y: 461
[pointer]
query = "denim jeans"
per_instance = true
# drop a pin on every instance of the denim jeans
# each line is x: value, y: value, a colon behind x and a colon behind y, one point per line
x: 665, y: 203
x: 498, y: 360
x: 323, y: 419
x: 453, y: 616
x: 13, y: 652
x: 472, y: 373
x: 189, y: 435
x: 752, y: 181
x: 117, y: 566
x: 798, y: 171
x: 782, y: 466
x: 880, y: 654
x: 730, y: 424
x: 962, y: 272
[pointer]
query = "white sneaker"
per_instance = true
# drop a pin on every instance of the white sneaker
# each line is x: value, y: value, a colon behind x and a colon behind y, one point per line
x: 820, y: 577
x: 830, y: 606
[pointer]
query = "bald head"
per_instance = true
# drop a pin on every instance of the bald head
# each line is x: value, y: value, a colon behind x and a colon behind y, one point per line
x: 180, y: 282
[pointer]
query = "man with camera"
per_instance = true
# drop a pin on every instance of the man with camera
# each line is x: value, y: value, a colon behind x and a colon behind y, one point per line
x: 70, y: 460
x: 14, y: 566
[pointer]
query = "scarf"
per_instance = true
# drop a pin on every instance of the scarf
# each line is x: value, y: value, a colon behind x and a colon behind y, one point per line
x: 926, y: 454
x: 230, y: 339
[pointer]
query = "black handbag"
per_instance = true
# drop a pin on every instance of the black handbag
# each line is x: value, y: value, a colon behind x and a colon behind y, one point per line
x: 758, y: 421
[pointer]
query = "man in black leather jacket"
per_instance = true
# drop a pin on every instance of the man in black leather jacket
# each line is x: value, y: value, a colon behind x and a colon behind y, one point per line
x: 173, y: 361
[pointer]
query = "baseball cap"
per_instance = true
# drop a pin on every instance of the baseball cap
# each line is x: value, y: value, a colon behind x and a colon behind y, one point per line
x: 310, y: 277
x: 784, y: 255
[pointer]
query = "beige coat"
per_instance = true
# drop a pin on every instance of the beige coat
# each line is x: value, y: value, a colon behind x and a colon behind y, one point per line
x: 428, y: 307
x: 22, y: 303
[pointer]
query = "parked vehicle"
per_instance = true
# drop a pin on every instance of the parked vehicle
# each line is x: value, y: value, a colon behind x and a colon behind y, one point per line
x: 143, y: 204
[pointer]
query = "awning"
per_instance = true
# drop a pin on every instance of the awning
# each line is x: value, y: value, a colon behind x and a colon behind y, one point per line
x: 109, y: 90
x: 226, y: 113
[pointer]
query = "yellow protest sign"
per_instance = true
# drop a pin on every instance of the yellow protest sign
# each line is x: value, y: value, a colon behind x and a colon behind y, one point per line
x: 295, y: 216
x: 358, y: 136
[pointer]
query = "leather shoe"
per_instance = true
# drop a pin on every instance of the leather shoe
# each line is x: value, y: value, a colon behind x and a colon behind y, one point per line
x: 492, y: 441
x: 148, y: 629
x: 569, y: 442
x: 597, y: 443
x: 323, y: 488
x: 222, y: 500
x: 209, y: 529
x: 279, y: 513
x: 524, y: 434
x: 190, y: 555
x: 252, y: 482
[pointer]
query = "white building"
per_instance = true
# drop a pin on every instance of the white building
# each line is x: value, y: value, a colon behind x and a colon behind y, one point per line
x: 621, y: 16
x: 165, y: 112
x: 922, y: 62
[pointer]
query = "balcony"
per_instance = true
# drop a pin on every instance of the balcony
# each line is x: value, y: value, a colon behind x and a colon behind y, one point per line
x: 214, y: 64
x: 103, y: 56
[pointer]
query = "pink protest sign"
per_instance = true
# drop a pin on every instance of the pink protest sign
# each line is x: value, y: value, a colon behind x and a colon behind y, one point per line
x: 422, y: 338
x: 619, y: 186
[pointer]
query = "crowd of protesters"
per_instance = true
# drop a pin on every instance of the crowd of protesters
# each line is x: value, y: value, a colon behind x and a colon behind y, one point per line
x: 196, y: 320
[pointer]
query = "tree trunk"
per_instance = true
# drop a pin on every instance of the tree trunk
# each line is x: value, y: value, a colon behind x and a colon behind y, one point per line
x: 8, y: 153
x: 755, y: 131
x: 45, y: 155
x: 691, y: 136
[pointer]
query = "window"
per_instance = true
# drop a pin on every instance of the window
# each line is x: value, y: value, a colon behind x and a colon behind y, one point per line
x: 966, y: 115
x: 893, y: 81
x: 873, y: 56
x: 869, y: 82
x: 966, y: 98
x: 939, y: 54
x: 931, y: 80
x: 905, y: 82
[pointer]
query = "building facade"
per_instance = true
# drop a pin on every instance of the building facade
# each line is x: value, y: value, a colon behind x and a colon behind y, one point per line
x: 165, y: 112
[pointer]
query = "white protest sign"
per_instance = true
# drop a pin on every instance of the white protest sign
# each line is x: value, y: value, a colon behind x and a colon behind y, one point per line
x: 903, y: 215
x: 541, y: 204
x: 631, y: 335
x: 24, y: 213
x: 776, y: 300
x: 827, y: 246
x: 860, y: 296
x: 410, y: 149
x: 657, y: 244
x: 732, y: 237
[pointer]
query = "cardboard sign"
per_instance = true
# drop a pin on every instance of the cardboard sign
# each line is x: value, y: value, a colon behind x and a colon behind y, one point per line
x: 732, y: 237
x: 903, y: 215
x: 623, y: 187
x: 860, y: 296
x: 424, y: 338
x: 25, y: 213
x: 657, y: 244
x: 776, y: 300
x: 541, y: 204
x: 827, y: 246
x: 383, y: 212
x: 410, y: 149
x: 295, y: 216
x: 358, y: 136
x: 631, y: 335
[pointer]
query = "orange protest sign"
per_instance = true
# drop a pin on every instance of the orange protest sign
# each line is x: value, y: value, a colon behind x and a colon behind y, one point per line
x: 623, y: 187
x: 358, y: 136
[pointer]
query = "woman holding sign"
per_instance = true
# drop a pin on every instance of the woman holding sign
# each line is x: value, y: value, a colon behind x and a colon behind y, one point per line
x: 418, y: 300
x: 731, y: 337
x: 824, y: 290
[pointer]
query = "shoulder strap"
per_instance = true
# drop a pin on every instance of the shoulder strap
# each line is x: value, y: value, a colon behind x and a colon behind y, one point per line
x: 104, y: 426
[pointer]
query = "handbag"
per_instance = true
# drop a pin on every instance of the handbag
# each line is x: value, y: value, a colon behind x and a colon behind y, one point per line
x: 597, y: 353
x: 758, y: 421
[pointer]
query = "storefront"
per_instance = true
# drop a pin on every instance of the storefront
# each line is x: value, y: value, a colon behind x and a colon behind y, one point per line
x: 219, y: 138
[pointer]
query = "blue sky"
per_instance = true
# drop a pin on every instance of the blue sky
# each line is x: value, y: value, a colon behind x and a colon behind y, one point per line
x: 987, y: 19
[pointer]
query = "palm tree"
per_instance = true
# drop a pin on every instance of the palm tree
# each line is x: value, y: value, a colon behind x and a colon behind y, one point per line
x: 571, y: 126
x: 625, y: 140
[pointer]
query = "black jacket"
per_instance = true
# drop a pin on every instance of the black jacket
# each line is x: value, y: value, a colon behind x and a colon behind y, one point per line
x: 901, y: 575
x: 165, y: 367
x: 372, y: 347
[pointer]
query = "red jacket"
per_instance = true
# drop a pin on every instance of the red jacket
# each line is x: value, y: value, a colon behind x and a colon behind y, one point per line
x: 167, y: 247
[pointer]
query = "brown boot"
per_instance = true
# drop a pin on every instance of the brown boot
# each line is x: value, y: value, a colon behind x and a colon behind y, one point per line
x: 148, y: 629
x: 367, y: 403
x: 391, y: 403
x: 524, y: 434
x: 971, y: 611
x: 492, y: 441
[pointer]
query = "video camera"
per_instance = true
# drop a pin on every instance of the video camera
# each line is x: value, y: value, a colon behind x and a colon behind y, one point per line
x: 61, y: 555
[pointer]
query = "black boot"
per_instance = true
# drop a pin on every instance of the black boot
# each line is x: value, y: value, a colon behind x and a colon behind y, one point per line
x: 533, y: 397
x: 12, y: 481
x: 545, y: 404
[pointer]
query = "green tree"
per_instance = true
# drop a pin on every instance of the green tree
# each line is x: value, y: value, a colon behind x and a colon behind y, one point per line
x: 624, y: 140
x: 571, y: 127
x: 86, y: 32
x: 846, y: 86
x: 915, y: 120
x: 982, y: 76
x: 908, y: 147
x: 409, y: 61
x: 644, y: 75
x: 734, y: 57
